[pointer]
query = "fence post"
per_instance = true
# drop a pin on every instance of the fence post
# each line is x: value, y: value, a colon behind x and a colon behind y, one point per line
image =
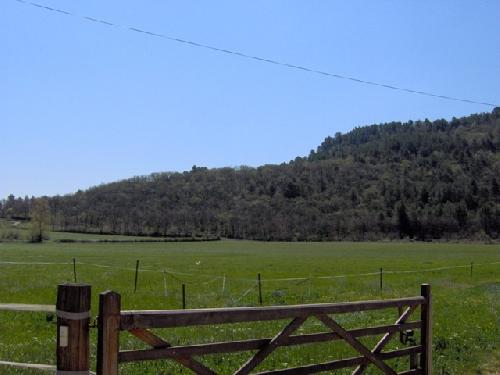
x: 136, y: 275
x: 223, y: 286
x: 73, y: 316
x: 426, y: 334
x: 165, y: 290
x: 381, y: 278
x: 260, y: 288
x: 184, y: 296
x: 108, y: 333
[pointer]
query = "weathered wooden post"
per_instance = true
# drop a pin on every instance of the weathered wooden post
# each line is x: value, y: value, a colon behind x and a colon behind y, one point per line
x: 108, y: 333
x: 73, y: 317
x: 426, y: 333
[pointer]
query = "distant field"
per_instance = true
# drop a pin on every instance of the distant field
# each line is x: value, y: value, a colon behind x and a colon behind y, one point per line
x: 61, y: 236
x: 15, y: 231
x: 466, y: 309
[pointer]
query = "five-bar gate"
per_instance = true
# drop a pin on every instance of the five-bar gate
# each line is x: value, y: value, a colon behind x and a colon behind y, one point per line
x: 112, y: 320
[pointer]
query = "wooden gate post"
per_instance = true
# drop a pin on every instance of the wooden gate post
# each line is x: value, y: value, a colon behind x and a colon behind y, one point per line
x: 108, y: 333
x: 426, y: 333
x: 73, y: 316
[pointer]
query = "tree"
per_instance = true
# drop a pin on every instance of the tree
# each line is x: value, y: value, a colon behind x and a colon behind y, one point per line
x: 40, y: 220
x: 425, y: 179
x: 404, y: 222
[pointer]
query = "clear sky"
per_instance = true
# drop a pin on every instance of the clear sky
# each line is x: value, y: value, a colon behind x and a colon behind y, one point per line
x: 85, y: 103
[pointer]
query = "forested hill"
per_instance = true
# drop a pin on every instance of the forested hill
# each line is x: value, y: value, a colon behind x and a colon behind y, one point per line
x: 423, y: 180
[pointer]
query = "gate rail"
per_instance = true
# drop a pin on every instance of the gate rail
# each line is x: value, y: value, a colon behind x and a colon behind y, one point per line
x: 112, y: 320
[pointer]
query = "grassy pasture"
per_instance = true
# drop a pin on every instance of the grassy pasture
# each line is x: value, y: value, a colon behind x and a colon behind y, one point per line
x: 14, y: 230
x: 466, y: 309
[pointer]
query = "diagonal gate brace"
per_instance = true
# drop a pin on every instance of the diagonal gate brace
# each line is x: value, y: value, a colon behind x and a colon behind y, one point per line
x: 267, y: 349
x: 355, y: 343
x: 158, y: 343
x: 384, y: 340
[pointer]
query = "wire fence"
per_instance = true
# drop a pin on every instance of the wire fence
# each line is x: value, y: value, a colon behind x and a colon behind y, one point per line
x: 33, y: 366
x: 233, y: 296
x: 237, y: 294
x: 30, y: 366
x: 177, y: 275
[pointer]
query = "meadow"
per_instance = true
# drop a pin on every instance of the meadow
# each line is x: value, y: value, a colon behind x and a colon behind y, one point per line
x: 223, y: 273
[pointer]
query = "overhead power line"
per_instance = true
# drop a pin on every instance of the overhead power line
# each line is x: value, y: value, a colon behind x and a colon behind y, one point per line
x: 256, y: 58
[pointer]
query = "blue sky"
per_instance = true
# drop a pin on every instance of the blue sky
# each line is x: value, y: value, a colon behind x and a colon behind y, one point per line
x: 84, y: 103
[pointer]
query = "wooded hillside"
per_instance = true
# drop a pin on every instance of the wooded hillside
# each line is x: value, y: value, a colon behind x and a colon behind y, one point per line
x: 422, y: 179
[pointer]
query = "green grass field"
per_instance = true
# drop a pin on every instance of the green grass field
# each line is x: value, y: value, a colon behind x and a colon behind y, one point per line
x: 466, y: 308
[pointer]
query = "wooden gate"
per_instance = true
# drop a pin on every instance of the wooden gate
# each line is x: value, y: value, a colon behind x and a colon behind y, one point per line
x: 112, y: 321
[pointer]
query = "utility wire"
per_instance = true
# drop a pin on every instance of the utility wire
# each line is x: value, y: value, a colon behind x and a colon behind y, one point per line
x: 257, y: 58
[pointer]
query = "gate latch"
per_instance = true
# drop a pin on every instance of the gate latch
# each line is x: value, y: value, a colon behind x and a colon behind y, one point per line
x: 407, y: 336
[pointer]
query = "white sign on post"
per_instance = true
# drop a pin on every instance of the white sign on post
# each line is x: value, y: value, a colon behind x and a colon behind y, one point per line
x: 63, y: 336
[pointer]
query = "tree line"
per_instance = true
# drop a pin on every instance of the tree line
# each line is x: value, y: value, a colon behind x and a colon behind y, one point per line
x: 421, y: 179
